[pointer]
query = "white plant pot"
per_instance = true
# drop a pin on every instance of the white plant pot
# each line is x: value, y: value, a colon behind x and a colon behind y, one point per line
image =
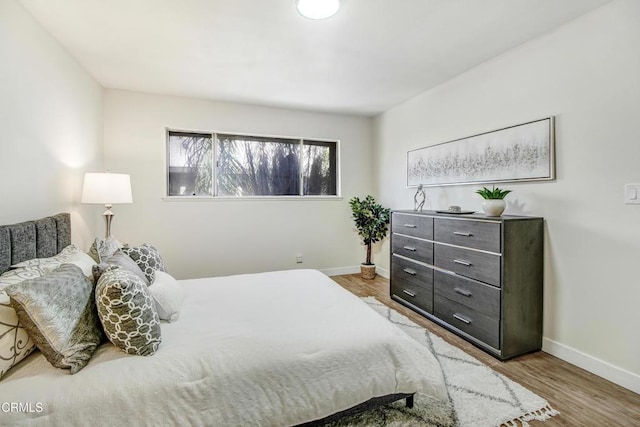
x: 494, y: 207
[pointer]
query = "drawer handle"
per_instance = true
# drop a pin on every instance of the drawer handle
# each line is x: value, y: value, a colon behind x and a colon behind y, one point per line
x: 462, y: 319
x: 460, y: 261
x: 410, y: 248
x: 411, y: 226
x: 460, y: 233
x: 462, y: 292
x: 411, y: 294
x: 409, y: 271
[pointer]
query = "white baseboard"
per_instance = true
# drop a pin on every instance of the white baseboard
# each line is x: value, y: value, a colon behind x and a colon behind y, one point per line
x: 594, y: 365
x: 353, y: 270
x: 383, y: 272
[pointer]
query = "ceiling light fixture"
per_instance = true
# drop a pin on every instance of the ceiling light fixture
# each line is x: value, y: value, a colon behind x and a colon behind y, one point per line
x: 318, y: 9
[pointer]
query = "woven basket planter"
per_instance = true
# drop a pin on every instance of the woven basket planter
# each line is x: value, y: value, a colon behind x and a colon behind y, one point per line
x: 367, y: 271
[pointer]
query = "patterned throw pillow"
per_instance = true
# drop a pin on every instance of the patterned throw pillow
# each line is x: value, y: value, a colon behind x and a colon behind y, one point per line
x: 148, y: 259
x: 127, y: 312
x: 54, y: 261
x: 69, y: 255
x: 58, y: 311
x: 119, y: 259
x: 17, y: 275
x: 15, y: 343
x: 102, y: 249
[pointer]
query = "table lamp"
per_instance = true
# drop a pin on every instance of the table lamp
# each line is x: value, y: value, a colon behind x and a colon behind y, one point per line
x: 106, y: 189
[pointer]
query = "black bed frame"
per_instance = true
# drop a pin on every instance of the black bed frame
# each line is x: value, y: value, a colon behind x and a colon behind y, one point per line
x: 365, y: 406
x: 46, y: 237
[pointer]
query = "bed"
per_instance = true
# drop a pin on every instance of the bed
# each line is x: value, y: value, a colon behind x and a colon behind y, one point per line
x: 270, y: 349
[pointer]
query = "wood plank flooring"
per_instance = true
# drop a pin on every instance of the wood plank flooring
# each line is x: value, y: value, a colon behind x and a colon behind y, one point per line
x: 582, y: 398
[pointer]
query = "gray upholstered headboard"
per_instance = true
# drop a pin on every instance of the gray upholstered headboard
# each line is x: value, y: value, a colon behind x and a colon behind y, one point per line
x: 41, y: 238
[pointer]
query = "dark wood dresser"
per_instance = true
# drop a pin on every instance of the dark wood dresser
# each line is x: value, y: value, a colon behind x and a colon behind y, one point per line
x: 480, y: 277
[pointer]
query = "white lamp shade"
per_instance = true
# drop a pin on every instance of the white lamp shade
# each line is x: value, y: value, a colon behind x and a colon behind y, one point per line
x: 106, y: 188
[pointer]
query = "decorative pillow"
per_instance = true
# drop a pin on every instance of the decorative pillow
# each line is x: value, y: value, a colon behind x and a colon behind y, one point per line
x: 148, y: 259
x: 55, y: 260
x: 81, y: 260
x: 168, y: 295
x: 102, y: 249
x: 15, y: 343
x: 119, y: 259
x: 58, y: 311
x: 69, y: 255
x: 127, y: 312
x: 18, y: 275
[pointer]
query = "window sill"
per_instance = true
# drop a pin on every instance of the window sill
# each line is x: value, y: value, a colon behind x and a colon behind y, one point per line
x: 250, y: 198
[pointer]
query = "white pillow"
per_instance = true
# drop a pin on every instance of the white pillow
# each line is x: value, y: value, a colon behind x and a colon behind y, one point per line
x: 168, y: 295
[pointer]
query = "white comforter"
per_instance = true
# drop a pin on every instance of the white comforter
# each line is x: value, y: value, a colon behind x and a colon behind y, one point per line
x: 267, y: 349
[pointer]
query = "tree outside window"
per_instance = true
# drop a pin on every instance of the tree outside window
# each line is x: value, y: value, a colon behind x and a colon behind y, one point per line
x: 248, y: 165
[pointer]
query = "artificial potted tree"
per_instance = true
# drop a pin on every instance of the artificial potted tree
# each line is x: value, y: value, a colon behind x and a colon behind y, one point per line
x: 372, y: 221
x: 494, y: 203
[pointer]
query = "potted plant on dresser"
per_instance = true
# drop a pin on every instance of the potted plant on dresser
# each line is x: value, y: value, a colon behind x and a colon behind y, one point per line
x: 494, y: 203
x: 372, y: 221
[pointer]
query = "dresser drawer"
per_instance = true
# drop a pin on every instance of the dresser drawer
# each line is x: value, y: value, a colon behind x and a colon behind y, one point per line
x: 412, y: 225
x: 471, y: 234
x: 474, y: 323
x: 416, y: 295
x: 477, y: 265
x: 477, y: 296
x: 419, y: 250
x: 413, y: 283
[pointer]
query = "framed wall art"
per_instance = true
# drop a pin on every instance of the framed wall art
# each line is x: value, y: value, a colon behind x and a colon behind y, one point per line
x: 524, y: 152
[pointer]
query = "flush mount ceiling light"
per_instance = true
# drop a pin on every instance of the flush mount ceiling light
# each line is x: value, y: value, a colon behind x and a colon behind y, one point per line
x: 318, y: 9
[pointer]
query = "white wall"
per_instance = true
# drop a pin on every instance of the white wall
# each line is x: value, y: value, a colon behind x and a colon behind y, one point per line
x: 225, y: 237
x: 51, y: 121
x: 587, y: 74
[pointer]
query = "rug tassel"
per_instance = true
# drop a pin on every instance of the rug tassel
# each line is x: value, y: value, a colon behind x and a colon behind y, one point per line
x: 542, y: 414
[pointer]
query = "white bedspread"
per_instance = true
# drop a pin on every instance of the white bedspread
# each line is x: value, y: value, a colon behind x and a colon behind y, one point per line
x: 269, y: 349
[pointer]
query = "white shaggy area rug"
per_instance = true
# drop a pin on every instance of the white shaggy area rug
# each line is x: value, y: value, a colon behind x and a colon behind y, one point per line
x: 479, y: 396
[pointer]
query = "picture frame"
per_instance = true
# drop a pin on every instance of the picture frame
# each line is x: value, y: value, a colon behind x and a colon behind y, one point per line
x: 524, y: 152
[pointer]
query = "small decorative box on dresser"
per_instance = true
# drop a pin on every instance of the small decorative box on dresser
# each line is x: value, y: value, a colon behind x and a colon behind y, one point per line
x: 478, y: 276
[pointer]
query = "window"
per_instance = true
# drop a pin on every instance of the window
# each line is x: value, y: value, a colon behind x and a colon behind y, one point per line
x: 248, y: 165
x: 189, y: 158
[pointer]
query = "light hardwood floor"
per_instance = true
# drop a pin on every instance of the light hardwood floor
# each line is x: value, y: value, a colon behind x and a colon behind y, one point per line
x: 582, y: 398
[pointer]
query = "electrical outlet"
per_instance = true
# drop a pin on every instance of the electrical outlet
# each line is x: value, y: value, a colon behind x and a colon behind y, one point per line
x: 299, y: 259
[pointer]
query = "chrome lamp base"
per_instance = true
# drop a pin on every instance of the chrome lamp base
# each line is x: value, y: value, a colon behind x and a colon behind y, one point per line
x: 108, y: 217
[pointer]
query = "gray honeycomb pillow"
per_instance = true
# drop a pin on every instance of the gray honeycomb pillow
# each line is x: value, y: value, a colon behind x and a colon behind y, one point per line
x: 127, y: 312
x: 58, y: 311
x: 148, y: 259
